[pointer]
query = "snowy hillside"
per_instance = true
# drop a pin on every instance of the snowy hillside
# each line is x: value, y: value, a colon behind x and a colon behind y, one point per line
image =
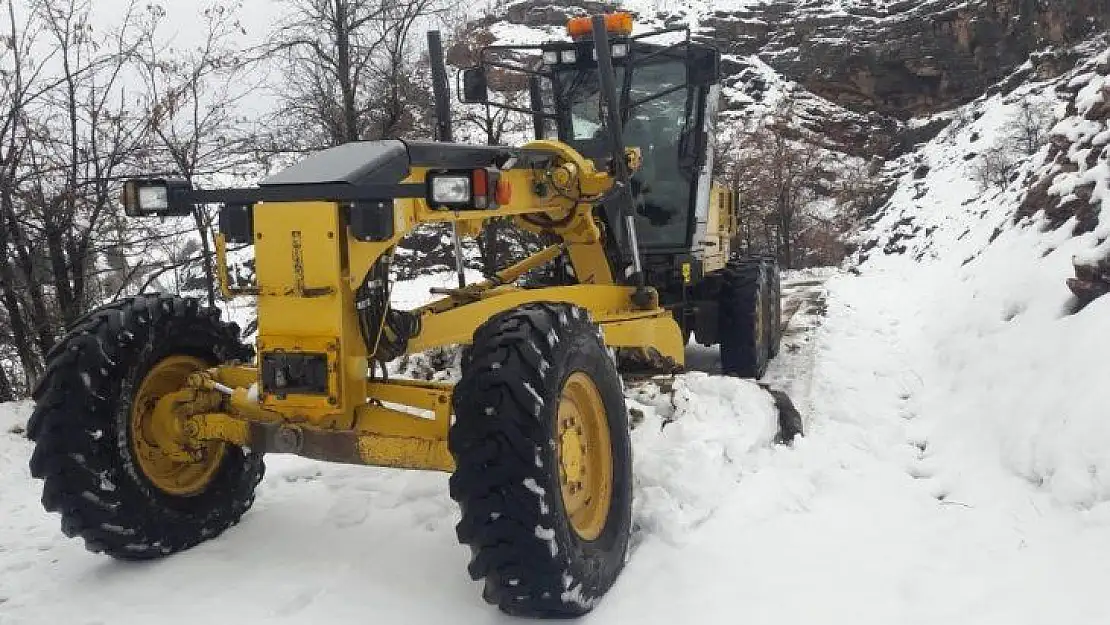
x: 1014, y: 365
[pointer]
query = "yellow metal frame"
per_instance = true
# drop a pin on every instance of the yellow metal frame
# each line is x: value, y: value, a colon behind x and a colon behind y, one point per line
x: 308, y: 268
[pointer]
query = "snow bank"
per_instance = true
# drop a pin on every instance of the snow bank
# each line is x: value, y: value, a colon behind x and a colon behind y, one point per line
x: 14, y: 415
x: 1016, y: 373
x: 1014, y: 382
x: 694, y: 442
x: 890, y: 510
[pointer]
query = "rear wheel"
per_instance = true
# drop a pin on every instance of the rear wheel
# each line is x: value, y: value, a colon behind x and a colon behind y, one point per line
x: 774, y: 304
x: 543, y: 462
x: 685, y: 321
x: 744, y: 328
x: 115, y: 466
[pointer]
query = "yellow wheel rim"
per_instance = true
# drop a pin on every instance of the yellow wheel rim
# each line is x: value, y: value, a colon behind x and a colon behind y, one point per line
x: 164, y: 454
x: 585, y: 456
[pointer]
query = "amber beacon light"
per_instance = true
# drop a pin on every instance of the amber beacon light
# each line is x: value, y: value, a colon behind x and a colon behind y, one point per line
x: 615, y: 24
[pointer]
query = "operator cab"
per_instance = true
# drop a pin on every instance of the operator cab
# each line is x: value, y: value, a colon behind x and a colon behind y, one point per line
x: 667, y: 93
x: 664, y: 92
x: 665, y: 185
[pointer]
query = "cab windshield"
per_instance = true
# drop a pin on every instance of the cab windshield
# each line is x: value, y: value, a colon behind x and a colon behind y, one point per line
x: 655, y: 127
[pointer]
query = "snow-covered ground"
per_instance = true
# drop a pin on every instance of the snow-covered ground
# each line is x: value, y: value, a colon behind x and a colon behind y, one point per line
x: 900, y: 506
x: 910, y: 500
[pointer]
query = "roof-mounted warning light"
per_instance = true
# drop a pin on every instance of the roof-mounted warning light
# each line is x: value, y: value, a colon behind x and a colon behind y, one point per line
x: 615, y: 24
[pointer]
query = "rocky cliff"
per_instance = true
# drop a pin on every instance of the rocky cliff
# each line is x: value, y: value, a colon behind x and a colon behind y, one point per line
x: 899, y: 58
x: 906, y: 58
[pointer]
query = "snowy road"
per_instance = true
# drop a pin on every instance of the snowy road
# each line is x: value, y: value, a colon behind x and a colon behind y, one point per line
x: 887, y: 512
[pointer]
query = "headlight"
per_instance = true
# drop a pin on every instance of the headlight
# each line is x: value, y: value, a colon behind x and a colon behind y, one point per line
x: 617, y: 51
x: 471, y: 189
x: 153, y: 199
x: 550, y: 57
x: 450, y: 189
x: 156, y: 197
x: 568, y: 56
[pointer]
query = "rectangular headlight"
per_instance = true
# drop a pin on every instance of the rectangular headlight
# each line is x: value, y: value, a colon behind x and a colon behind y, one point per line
x: 450, y: 189
x: 617, y: 51
x: 470, y: 189
x: 568, y: 56
x: 550, y: 57
x: 156, y: 197
x: 153, y: 199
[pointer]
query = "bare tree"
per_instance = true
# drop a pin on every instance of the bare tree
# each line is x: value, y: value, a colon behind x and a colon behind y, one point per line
x: 402, y: 108
x: 996, y: 166
x: 778, y: 176
x: 1026, y: 131
x: 66, y: 136
x: 18, y: 84
x: 80, y: 110
x: 82, y: 139
x: 7, y: 390
x: 860, y: 192
x: 1029, y: 127
x: 192, y: 108
x: 351, y: 66
x: 491, y: 125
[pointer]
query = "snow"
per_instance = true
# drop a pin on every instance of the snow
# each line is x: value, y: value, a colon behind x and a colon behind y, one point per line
x: 520, y: 35
x: 1016, y: 374
x: 361, y: 540
x: 691, y: 449
x: 701, y: 7
x: 409, y: 294
x: 912, y: 498
x: 954, y: 468
x: 895, y: 507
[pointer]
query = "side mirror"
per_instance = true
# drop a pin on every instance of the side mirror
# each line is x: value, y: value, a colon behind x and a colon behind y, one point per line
x: 475, y: 87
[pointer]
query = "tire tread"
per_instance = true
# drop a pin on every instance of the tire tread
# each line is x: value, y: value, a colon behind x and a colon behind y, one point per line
x: 81, y: 454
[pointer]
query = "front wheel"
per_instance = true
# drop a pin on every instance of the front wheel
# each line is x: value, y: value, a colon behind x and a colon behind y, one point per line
x: 543, y: 462
x: 116, y: 468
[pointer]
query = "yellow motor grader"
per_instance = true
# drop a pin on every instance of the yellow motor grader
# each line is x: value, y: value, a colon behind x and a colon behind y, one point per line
x: 153, y: 417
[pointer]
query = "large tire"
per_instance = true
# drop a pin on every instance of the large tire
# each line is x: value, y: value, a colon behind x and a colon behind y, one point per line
x: 743, y: 325
x: 510, y: 411
x: 85, y: 441
x: 774, y: 304
x: 685, y: 324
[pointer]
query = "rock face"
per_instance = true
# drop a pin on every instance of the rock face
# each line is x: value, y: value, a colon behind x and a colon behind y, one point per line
x: 1079, y: 155
x: 898, y: 58
x: 864, y: 66
x: 1091, y: 281
x: 546, y: 13
x: 928, y: 57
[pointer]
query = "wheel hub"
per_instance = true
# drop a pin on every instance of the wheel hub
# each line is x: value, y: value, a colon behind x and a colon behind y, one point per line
x: 164, y: 453
x: 585, y: 456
